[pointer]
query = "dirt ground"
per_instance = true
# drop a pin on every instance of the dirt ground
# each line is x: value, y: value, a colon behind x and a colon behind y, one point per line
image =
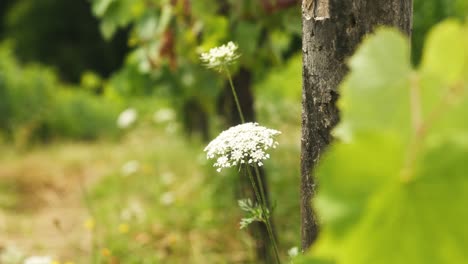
x: 42, y: 205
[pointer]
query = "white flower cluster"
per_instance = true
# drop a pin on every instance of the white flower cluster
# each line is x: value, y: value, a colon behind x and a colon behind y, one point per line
x: 130, y: 167
x: 127, y: 118
x: 164, y: 115
x: 219, y: 57
x: 38, y: 260
x: 242, y: 144
x: 293, y: 252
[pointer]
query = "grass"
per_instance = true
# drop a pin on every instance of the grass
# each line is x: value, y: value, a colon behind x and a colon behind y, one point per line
x: 175, y: 207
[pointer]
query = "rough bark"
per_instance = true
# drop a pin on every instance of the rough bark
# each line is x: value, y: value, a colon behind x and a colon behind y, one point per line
x: 332, y: 29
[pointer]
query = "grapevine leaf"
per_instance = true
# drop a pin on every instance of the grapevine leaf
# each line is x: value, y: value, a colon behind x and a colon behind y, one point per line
x: 374, y: 95
x: 370, y: 210
x: 419, y: 222
x: 445, y: 52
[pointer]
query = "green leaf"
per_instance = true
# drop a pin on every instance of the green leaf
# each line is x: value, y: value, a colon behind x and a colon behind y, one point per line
x: 355, y: 178
x: 382, y: 59
x: 389, y: 192
x: 100, y: 6
x: 108, y: 28
x: 215, y: 29
x: 444, y: 91
x: 428, y: 215
x: 246, y: 35
x: 445, y: 52
x: 375, y: 94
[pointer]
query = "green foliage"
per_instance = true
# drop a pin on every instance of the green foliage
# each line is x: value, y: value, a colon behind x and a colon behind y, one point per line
x: 79, y: 115
x: 427, y: 13
x: 278, y: 95
x: 393, y: 187
x: 254, y: 213
x: 25, y: 94
x: 167, y: 38
x: 63, y: 35
x: 34, y: 105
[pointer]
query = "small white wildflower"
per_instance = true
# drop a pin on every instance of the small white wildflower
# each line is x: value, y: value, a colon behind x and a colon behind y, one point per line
x: 241, y: 144
x: 127, y: 118
x: 164, y: 115
x: 219, y: 57
x: 167, y: 178
x: 133, y: 211
x: 130, y: 167
x: 167, y: 198
x: 38, y: 260
x: 293, y: 252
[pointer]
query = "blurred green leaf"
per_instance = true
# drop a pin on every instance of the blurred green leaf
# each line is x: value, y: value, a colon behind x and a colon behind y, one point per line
x: 391, y: 192
x: 445, y: 52
x: 374, y: 95
x: 100, y: 6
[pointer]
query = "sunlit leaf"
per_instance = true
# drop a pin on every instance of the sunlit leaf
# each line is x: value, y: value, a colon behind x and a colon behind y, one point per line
x: 445, y: 52
x: 390, y: 192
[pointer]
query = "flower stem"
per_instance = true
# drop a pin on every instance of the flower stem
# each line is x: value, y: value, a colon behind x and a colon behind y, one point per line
x: 268, y: 222
x: 261, y: 199
x: 259, y: 194
x: 235, y: 95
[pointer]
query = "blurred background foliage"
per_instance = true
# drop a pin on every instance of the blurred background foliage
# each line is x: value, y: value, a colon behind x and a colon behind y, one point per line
x: 119, y: 50
x: 68, y: 68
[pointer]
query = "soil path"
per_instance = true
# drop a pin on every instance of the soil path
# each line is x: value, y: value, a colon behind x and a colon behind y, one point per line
x: 42, y: 209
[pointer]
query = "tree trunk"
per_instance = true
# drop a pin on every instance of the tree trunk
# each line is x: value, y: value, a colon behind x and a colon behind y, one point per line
x: 331, y: 31
x: 195, y: 120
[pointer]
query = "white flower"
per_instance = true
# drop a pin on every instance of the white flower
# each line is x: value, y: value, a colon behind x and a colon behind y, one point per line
x: 127, y: 117
x: 219, y: 57
x: 167, y: 198
x: 133, y: 211
x: 167, y: 178
x: 130, y: 167
x: 242, y: 144
x: 38, y: 260
x: 293, y: 252
x: 164, y: 115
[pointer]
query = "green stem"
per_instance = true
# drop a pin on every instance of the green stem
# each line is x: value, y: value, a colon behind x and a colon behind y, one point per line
x: 235, y: 96
x: 268, y: 222
x: 261, y: 199
x: 260, y: 195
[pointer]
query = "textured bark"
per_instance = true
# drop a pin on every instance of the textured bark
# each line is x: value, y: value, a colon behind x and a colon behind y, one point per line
x: 332, y: 29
